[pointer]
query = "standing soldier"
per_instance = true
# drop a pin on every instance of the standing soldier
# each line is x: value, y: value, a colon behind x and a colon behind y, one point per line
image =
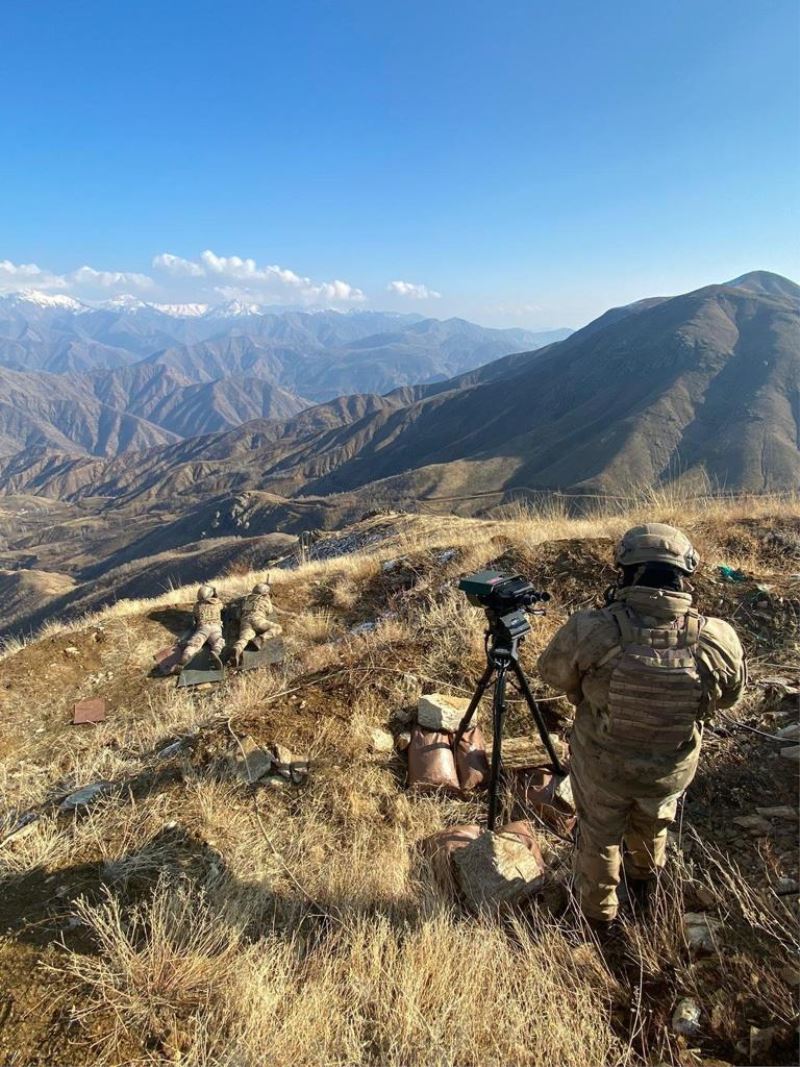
x: 645, y: 672
x: 257, y: 619
x: 207, y: 627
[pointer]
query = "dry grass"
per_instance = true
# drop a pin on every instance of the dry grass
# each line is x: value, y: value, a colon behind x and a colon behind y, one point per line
x: 213, y: 924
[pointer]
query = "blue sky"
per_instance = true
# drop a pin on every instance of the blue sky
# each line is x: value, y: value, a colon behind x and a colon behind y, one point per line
x: 531, y: 162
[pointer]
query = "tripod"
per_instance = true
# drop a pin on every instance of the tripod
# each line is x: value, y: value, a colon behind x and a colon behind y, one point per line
x: 502, y: 655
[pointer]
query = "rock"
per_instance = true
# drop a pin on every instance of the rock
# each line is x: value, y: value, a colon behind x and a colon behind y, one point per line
x: 441, y: 712
x: 298, y: 771
x: 785, y: 886
x: 701, y: 931
x: 81, y: 798
x: 381, y: 740
x: 442, y: 846
x: 171, y: 750
x: 528, y: 751
x: 761, y: 1043
x: 363, y: 628
x: 790, y: 732
x: 792, y: 752
x: 781, y: 811
x: 24, y: 828
x: 754, y: 823
x: 686, y: 1017
x: 497, y: 869
x: 403, y: 740
x: 251, y: 762
x: 71, y: 650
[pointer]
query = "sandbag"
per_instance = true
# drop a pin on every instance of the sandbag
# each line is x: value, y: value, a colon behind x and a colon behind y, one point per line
x: 539, y: 792
x: 499, y: 869
x: 431, y: 764
x: 471, y: 761
x: 440, y: 848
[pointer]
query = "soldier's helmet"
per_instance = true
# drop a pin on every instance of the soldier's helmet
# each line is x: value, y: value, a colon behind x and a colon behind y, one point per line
x: 262, y: 588
x: 657, y: 543
x: 206, y: 592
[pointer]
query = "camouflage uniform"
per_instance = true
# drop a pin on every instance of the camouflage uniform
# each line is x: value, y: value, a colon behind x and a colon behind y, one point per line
x: 644, y: 673
x: 257, y: 619
x: 207, y: 625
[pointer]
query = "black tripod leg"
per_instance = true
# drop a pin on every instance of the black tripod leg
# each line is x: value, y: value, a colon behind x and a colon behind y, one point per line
x: 480, y: 689
x: 498, y: 717
x: 537, y: 715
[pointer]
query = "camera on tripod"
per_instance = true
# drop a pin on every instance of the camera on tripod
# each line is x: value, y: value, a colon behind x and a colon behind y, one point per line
x: 506, y: 599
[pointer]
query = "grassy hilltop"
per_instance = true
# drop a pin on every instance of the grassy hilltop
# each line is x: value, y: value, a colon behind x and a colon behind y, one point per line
x: 187, y: 917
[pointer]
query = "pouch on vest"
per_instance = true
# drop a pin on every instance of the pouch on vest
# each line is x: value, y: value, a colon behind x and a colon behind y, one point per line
x: 656, y: 693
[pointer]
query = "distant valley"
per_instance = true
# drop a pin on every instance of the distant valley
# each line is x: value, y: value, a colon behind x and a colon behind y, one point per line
x: 701, y: 388
x: 127, y: 376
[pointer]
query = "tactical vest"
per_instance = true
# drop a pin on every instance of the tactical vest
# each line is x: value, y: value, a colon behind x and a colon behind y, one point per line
x: 257, y: 604
x: 208, y: 611
x: 657, y: 691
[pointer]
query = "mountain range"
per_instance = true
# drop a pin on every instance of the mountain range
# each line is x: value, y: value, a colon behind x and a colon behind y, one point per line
x: 129, y: 375
x: 703, y: 387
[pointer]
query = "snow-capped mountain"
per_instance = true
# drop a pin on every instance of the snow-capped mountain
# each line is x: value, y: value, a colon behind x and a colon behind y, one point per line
x: 36, y: 298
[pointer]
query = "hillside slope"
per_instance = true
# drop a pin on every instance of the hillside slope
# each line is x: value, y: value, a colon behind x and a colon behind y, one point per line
x: 193, y: 915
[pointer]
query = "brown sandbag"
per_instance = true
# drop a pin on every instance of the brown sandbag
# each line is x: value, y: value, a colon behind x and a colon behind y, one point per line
x: 539, y: 792
x: 431, y: 764
x: 471, y: 761
x: 500, y: 869
x: 441, y: 846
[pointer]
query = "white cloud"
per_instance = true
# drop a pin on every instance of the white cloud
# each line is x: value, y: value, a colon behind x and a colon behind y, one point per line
x: 85, y: 281
x: 412, y: 291
x: 177, y: 265
x: 109, y: 279
x: 243, y: 279
x: 16, y: 276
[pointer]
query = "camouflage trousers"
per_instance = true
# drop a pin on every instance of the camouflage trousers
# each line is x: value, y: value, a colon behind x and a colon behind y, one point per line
x: 608, y: 816
x: 208, y: 633
x: 255, y: 626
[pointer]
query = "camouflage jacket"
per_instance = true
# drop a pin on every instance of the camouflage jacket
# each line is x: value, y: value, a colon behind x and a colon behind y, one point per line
x: 208, y: 612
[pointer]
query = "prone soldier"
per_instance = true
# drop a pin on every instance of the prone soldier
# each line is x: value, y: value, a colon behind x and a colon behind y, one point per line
x: 646, y: 672
x: 257, y: 620
x: 207, y: 617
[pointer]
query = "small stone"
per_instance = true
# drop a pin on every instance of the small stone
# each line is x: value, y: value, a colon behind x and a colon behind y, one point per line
x: 71, y: 650
x: 792, y: 752
x: 363, y: 628
x: 24, y: 828
x: 381, y: 740
x: 171, y: 750
x: 251, y: 762
x: 282, y: 754
x: 81, y: 798
x: 701, y: 931
x: 686, y: 1017
x: 403, y: 740
x: 276, y: 782
x: 298, y: 771
x: 754, y: 823
x: 785, y: 886
x: 781, y: 811
x: 761, y: 1043
x: 790, y: 732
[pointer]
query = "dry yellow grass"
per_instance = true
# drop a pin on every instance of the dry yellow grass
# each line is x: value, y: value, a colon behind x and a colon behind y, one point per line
x: 211, y: 924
